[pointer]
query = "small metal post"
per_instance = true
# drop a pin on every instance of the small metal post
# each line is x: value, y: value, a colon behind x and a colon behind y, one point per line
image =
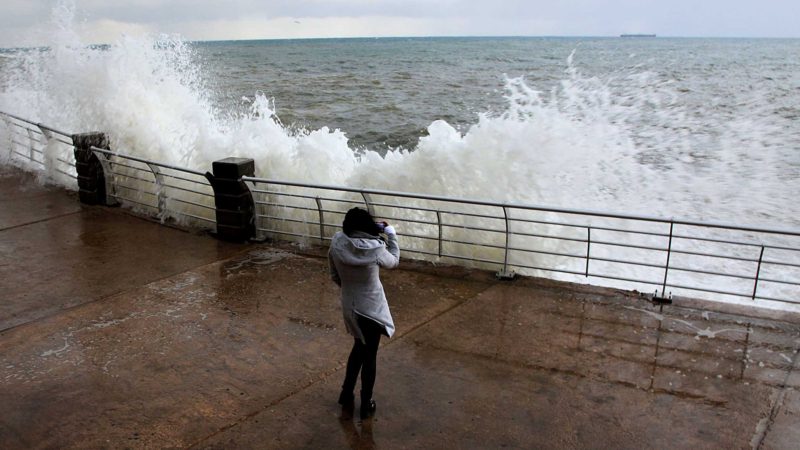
x: 46, y: 134
x: 30, y: 143
x: 758, y: 272
x: 368, y: 203
x: 505, y: 274
x: 321, y: 221
x: 48, y: 156
x: 7, y: 124
x: 108, y: 179
x: 162, y: 196
x: 669, y: 253
x: 588, y: 247
x: 439, y: 220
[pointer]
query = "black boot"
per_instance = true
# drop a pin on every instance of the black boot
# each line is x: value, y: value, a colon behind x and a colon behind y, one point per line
x: 368, y: 408
x: 347, y: 399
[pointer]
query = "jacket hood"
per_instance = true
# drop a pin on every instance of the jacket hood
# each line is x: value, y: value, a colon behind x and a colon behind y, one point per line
x: 360, y: 250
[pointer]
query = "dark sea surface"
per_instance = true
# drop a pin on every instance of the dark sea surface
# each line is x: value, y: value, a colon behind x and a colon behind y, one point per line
x: 704, y: 129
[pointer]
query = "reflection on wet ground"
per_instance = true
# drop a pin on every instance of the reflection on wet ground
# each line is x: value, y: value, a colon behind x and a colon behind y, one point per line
x: 122, y: 333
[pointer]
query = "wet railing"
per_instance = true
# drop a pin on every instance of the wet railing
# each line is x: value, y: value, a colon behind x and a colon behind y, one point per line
x: 160, y: 189
x: 650, y: 254
x: 150, y: 187
x: 39, y: 147
x: 653, y: 255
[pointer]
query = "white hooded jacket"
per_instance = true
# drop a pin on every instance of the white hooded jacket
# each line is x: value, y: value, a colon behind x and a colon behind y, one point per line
x: 354, y: 264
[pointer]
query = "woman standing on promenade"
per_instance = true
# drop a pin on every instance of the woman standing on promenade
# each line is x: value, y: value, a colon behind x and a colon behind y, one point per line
x: 355, y: 258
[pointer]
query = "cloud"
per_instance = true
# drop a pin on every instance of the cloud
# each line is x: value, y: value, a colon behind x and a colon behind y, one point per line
x: 251, y: 19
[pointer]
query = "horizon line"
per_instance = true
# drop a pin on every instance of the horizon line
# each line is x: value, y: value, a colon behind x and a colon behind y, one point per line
x: 647, y: 36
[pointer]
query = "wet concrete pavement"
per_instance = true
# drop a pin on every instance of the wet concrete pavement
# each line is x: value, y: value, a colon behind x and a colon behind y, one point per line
x: 119, y: 332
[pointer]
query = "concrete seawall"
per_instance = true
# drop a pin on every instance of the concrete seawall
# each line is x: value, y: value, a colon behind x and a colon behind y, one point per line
x: 119, y: 332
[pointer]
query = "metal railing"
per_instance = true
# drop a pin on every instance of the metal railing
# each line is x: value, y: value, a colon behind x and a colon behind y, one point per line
x: 159, y: 189
x: 156, y: 189
x: 39, y: 147
x: 650, y: 254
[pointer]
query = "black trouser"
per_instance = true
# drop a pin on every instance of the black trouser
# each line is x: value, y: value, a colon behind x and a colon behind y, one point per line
x: 363, y: 358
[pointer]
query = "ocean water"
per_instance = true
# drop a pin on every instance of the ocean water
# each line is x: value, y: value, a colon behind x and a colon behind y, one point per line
x: 703, y: 129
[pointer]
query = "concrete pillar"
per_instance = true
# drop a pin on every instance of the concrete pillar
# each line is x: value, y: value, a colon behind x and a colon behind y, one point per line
x: 232, y: 198
x: 91, y: 179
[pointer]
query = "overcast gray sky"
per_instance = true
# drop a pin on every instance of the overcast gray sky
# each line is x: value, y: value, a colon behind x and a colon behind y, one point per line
x: 25, y: 22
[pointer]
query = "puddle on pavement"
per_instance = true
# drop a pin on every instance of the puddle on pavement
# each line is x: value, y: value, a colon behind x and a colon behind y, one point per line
x: 253, y: 262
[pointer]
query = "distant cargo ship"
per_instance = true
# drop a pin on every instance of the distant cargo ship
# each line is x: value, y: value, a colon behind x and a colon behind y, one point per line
x: 637, y: 35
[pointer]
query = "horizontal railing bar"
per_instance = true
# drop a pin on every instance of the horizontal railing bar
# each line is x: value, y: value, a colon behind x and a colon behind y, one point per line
x: 284, y: 219
x: 640, y: 247
x: 134, y: 177
x: 128, y: 166
x: 773, y: 280
x: 465, y: 258
x: 544, y: 236
x: 37, y: 124
x: 779, y: 263
x: 712, y: 255
x: 135, y: 190
x: 412, y: 208
x: 119, y: 197
x: 69, y: 163
x: 310, y: 197
x: 28, y: 157
x: 529, y: 207
x: 421, y: 252
x: 204, y: 194
x: 195, y: 217
x: 71, y: 144
x: 286, y: 233
x: 200, y: 205
x: 147, y: 161
x: 469, y: 228
x: 278, y: 205
x: 22, y: 144
x: 204, y: 182
x: 720, y: 241
x: 777, y: 299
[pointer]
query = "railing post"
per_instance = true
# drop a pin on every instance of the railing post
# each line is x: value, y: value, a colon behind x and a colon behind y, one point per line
x: 234, y: 203
x: 505, y: 274
x: 162, y: 197
x: 439, y: 220
x: 321, y: 221
x: 758, y: 272
x: 30, y: 144
x: 49, y: 157
x: 669, y: 253
x: 588, y: 247
x: 368, y: 203
x: 91, y: 176
x: 7, y: 124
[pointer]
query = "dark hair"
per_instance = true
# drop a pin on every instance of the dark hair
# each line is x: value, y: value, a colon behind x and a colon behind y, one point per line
x: 358, y: 219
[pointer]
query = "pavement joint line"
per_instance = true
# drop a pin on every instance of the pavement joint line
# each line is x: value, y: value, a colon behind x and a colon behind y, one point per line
x: 41, y: 220
x: 777, y: 403
x: 114, y: 294
x: 326, y: 374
